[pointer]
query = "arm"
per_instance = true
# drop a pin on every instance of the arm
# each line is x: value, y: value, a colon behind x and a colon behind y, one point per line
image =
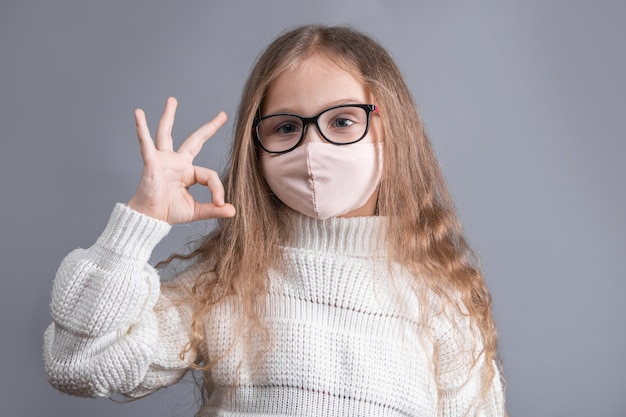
x: 460, y: 368
x: 114, y: 331
x: 107, y: 336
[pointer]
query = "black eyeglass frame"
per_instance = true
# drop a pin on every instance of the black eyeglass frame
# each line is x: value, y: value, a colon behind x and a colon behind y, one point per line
x: 369, y: 108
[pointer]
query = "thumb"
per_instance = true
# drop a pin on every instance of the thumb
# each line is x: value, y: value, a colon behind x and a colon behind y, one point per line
x: 205, y: 211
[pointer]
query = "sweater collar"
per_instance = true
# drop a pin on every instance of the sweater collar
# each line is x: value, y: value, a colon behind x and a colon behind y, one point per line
x: 353, y: 236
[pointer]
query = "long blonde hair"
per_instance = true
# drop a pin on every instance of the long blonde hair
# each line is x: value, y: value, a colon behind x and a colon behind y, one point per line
x: 424, y: 234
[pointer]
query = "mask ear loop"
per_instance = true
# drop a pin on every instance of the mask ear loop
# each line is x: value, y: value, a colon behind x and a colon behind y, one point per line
x: 376, y: 208
x: 376, y: 211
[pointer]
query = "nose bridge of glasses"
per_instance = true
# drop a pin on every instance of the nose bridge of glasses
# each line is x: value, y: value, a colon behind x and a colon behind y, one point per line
x: 310, y: 124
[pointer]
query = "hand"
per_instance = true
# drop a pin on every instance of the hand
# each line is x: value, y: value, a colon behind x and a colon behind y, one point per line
x: 163, y: 191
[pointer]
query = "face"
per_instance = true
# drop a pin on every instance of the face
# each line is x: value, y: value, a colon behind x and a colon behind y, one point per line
x: 314, y: 86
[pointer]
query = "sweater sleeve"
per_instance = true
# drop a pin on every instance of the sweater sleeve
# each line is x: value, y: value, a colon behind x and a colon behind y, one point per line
x: 460, y: 369
x: 114, y: 331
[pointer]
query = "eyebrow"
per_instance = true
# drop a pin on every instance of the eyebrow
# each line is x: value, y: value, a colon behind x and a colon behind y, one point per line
x: 286, y: 110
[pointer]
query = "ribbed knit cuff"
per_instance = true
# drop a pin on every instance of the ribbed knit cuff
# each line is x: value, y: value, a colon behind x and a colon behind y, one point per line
x: 132, y: 234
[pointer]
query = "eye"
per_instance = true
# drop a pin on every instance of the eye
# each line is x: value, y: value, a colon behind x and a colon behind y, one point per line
x: 343, y: 119
x: 280, y: 125
x: 342, y: 122
x: 287, y: 129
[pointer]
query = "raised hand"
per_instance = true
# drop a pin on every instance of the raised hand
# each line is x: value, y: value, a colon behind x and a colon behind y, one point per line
x: 163, y: 190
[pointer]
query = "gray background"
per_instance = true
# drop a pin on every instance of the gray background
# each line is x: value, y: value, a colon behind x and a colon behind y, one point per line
x: 524, y: 101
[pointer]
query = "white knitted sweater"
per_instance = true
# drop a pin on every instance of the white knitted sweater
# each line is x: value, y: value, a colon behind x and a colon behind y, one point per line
x: 344, y: 337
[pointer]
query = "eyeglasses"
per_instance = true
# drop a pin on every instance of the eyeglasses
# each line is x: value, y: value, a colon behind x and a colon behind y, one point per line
x: 340, y: 125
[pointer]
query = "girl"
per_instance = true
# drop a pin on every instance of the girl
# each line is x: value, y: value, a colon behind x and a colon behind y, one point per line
x: 342, y: 284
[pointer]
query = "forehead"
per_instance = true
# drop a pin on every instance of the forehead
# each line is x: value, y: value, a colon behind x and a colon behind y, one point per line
x: 313, y: 85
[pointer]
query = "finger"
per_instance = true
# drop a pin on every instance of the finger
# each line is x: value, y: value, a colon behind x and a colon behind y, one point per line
x: 205, y: 211
x: 146, y: 144
x: 193, y: 144
x: 209, y: 178
x: 164, y: 132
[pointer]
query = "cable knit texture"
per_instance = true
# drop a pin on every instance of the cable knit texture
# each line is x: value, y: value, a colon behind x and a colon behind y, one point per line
x: 344, y: 336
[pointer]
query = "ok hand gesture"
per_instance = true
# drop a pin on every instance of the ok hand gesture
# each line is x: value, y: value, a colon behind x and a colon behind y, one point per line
x: 163, y: 191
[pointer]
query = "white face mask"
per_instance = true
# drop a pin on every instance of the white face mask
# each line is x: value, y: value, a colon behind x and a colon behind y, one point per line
x: 323, y: 180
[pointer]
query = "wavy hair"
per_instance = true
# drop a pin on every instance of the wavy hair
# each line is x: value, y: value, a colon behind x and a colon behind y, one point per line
x: 424, y: 235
